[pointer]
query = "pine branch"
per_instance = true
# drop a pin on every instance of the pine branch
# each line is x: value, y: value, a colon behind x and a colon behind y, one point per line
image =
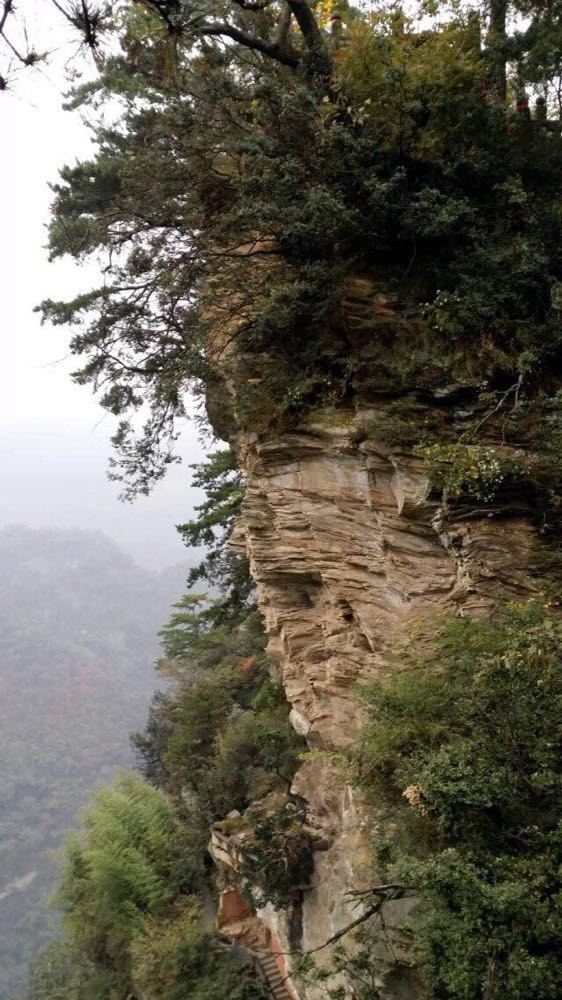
x: 275, y: 47
x: 268, y: 48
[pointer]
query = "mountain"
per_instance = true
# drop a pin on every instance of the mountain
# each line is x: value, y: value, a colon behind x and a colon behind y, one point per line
x: 78, y: 639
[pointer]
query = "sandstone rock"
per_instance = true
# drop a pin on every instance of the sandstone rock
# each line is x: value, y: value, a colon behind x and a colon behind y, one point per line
x: 348, y: 547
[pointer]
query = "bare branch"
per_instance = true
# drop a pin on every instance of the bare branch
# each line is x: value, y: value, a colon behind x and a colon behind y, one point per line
x: 26, y: 58
x: 371, y: 911
x: 387, y: 892
x: 8, y: 8
x: 375, y: 890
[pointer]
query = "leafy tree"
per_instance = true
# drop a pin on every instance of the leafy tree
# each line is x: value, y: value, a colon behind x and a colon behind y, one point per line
x: 220, y: 478
x: 149, y: 746
x: 225, y: 738
x: 276, y: 859
x: 128, y: 921
x: 63, y: 973
x: 130, y: 861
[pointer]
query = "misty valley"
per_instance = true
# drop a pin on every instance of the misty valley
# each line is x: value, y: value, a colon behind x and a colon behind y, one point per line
x: 78, y: 641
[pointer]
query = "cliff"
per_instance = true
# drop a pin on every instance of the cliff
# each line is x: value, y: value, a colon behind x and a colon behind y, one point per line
x: 351, y: 546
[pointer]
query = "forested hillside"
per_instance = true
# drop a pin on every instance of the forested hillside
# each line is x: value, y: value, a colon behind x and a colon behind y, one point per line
x: 78, y: 624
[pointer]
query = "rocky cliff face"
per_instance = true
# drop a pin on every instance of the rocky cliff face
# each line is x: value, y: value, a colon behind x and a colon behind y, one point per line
x: 348, y: 547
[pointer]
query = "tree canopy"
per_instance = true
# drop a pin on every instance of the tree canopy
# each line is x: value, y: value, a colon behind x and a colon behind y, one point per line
x: 234, y: 192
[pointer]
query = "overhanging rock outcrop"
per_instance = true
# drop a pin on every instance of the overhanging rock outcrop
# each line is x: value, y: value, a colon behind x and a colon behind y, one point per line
x: 348, y: 547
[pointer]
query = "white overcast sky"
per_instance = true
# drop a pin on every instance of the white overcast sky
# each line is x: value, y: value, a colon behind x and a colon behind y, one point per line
x: 54, y: 437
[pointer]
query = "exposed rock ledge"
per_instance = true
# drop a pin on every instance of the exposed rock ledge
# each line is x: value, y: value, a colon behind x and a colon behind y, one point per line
x: 346, y: 547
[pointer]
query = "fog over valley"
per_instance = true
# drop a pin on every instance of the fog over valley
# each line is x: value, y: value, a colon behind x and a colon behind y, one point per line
x: 78, y: 641
x: 56, y: 475
x: 85, y: 580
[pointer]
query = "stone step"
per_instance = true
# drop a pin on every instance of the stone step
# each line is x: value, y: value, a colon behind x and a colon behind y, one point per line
x: 272, y: 977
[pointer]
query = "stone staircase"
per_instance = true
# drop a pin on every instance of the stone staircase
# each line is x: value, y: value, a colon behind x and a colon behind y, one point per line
x: 269, y: 971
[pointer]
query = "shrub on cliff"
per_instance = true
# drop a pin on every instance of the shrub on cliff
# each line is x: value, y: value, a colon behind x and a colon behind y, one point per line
x: 177, y: 958
x: 220, y: 737
x: 62, y: 972
x: 463, y: 750
x: 276, y: 854
x: 223, y: 749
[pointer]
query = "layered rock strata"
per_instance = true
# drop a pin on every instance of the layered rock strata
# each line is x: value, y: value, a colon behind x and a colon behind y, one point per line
x: 348, y: 547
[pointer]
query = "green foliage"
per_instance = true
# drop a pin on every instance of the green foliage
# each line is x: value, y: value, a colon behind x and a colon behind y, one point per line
x: 470, y: 470
x: 221, y: 480
x: 355, y: 965
x: 233, y: 198
x: 276, y: 859
x: 392, y: 73
x: 175, y: 958
x: 464, y: 749
x: 184, y: 628
x: 78, y: 628
x: 129, y: 861
x: 62, y: 973
x: 128, y: 923
x: 224, y: 738
x: 541, y: 422
x: 220, y: 739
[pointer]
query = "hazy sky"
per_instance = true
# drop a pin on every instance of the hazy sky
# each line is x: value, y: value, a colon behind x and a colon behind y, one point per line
x: 54, y: 437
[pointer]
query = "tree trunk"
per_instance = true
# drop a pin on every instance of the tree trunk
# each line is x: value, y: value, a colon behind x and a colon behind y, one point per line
x: 496, y: 50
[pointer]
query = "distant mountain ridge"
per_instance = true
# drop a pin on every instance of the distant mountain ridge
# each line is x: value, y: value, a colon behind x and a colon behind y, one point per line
x: 78, y: 640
